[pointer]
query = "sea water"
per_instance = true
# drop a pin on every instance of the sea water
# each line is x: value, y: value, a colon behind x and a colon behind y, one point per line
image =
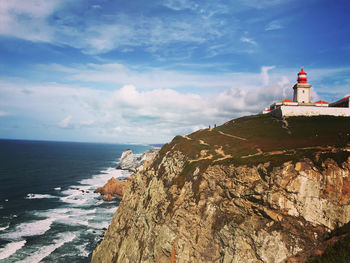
x: 48, y: 211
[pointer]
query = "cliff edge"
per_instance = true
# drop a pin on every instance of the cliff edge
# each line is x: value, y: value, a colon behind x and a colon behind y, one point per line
x: 257, y: 189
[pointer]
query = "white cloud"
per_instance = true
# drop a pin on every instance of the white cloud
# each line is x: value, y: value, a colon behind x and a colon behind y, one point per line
x: 27, y: 19
x: 259, y: 4
x: 153, y: 78
x: 56, y: 22
x: 134, y: 114
x: 265, y: 75
x: 273, y: 25
x: 153, y: 114
x: 86, y: 123
x: 249, y: 41
x: 65, y: 122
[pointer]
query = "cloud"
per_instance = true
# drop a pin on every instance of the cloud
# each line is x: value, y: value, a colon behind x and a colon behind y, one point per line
x: 27, y: 19
x: 145, y: 113
x: 260, y: 4
x: 60, y: 23
x: 265, y: 75
x: 152, y: 78
x: 273, y: 25
x: 248, y: 40
x: 131, y: 113
x: 65, y: 123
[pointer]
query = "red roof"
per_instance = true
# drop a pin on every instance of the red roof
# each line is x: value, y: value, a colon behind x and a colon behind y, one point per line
x: 346, y: 98
x: 321, y: 102
x: 302, y: 72
x: 286, y: 100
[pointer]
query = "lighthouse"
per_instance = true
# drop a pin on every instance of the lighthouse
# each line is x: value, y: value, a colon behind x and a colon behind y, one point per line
x: 302, y: 89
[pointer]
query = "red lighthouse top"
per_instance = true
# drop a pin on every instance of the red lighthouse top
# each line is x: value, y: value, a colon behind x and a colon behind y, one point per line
x: 302, y: 76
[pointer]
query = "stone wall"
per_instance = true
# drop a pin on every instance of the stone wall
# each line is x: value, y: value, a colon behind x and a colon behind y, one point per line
x: 309, y: 111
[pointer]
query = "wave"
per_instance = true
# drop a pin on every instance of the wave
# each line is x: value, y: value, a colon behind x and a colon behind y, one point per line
x: 45, y: 251
x: 39, y: 196
x: 82, y: 195
x: 11, y: 248
x: 102, y: 178
x: 35, y: 228
x: 69, y: 216
x: 4, y: 227
x: 57, y: 188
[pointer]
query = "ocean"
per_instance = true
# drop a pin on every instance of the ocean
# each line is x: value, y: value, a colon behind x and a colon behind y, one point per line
x: 48, y: 211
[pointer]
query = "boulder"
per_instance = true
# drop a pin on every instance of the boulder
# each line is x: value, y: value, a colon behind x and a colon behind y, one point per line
x: 113, y: 188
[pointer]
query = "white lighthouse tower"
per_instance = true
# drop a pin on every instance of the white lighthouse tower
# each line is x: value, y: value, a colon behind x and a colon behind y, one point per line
x: 302, y: 89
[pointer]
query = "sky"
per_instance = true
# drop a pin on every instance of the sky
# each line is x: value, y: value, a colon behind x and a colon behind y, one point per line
x: 131, y: 71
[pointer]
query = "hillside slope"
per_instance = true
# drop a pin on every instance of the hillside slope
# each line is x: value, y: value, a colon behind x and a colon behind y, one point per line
x: 257, y: 189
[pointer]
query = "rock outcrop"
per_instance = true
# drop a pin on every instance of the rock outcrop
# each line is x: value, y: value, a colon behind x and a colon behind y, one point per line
x: 113, y: 188
x: 129, y: 161
x: 197, y: 203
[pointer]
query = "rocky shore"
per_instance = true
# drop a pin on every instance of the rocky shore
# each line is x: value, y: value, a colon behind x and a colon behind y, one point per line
x: 116, y: 188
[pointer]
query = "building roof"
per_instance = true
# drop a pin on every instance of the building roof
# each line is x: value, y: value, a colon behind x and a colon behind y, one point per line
x: 347, y: 97
x: 321, y: 102
x: 286, y: 100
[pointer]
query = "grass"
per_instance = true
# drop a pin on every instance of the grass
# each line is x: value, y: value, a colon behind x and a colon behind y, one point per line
x: 245, y: 137
x: 340, y: 251
x: 266, y: 133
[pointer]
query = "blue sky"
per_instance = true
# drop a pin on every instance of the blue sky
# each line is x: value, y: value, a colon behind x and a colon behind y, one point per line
x: 145, y: 71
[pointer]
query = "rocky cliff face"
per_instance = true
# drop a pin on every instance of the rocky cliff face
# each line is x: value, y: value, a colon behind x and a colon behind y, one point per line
x: 228, y: 213
x: 201, y: 204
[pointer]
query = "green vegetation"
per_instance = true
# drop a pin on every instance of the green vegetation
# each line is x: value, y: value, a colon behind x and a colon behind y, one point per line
x: 259, y: 139
x: 340, y: 251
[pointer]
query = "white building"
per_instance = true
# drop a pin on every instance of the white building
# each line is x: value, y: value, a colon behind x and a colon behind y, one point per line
x: 302, y: 105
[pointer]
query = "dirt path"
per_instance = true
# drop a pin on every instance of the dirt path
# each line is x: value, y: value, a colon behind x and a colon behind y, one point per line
x: 202, y: 142
x: 260, y: 152
x: 186, y: 137
x: 222, y: 153
x: 233, y: 136
x: 204, y: 156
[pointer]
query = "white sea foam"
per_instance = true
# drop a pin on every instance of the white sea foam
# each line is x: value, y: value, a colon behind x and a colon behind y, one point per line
x: 69, y: 216
x: 84, y: 252
x: 4, y: 228
x: 11, y: 248
x: 39, y: 196
x: 82, y: 195
x: 57, y: 188
x: 104, y: 176
x: 45, y: 251
x: 35, y: 228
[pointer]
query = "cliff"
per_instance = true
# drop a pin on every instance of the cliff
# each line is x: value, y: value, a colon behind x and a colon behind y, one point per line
x: 257, y: 189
